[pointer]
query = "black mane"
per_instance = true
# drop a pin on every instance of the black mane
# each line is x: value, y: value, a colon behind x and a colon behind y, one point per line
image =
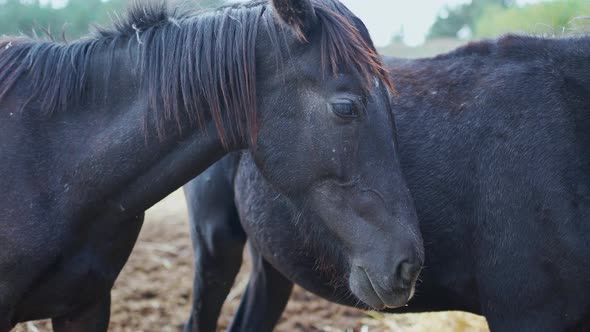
x: 192, y: 64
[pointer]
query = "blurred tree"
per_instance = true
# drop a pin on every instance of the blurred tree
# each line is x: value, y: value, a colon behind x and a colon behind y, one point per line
x: 21, y: 17
x: 452, y: 20
x: 557, y: 17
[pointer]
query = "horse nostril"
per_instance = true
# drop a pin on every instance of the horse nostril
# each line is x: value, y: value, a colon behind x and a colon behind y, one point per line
x: 407, y: 273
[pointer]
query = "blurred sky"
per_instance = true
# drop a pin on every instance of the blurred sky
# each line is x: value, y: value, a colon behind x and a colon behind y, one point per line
x: 384, y: 18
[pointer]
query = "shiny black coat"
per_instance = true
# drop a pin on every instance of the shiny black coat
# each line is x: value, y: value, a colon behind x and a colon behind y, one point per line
x: 493, y: 141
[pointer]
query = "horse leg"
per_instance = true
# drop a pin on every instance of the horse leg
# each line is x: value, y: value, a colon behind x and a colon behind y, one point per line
x: 515, y: 291
x: 94, y: 318
x: 532, y: 320
x: 527, y: 302
x: 218, y: 244
x: 265, y: 298
x: 5, y: 326
x: 531, y: 277
x: 5, y: 323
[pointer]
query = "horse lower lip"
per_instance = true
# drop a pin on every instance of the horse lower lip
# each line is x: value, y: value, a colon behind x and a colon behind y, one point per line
x: 397, y: 305
x: 383, y: 302
x: 372, y: 300
x: 382, y: 307
x: 378, y: 302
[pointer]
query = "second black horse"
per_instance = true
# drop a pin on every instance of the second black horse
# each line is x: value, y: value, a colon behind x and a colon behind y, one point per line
x: 493, y: 140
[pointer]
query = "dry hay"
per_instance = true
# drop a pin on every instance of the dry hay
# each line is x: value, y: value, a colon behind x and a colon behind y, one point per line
x: 153, y: 293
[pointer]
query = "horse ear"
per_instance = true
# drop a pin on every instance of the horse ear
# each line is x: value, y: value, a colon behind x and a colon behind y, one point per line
x: 298, y: 14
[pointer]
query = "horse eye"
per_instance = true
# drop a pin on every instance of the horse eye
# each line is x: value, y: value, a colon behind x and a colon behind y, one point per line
x: 345, y: 110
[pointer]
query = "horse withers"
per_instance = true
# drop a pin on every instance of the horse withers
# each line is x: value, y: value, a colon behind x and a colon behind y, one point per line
x: 493, y: 141
x: 95, y: 131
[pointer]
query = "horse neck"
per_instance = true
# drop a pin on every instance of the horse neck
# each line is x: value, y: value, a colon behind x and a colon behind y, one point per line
x: 121, y: 161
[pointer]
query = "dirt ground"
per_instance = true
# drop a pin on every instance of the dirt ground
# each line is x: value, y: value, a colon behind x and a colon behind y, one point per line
x: 153, y: 293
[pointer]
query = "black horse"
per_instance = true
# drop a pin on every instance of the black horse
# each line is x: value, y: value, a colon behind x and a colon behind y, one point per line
x: 94, y: 132
x: 493, y: 140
